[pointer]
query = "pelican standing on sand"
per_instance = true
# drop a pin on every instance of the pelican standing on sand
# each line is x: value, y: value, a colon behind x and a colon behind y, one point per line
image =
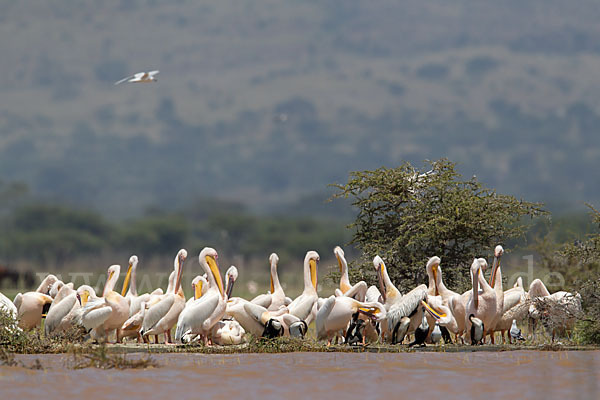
x: 200, y: 316
x: 162, y: 316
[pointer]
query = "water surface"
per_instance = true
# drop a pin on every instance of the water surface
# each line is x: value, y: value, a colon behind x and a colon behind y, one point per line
x: 490, y: 375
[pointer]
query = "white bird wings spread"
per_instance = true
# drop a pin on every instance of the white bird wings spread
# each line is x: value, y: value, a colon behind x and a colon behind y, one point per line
x: 157, y: 311
x: 125, y: 79
x: 152, y: 73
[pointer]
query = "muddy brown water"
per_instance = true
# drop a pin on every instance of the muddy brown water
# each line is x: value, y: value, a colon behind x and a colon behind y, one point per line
x: 489, y: 375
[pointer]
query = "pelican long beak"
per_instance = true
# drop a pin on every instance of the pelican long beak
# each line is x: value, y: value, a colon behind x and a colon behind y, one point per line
x: 198, y: 290
x: 110, y: 276
x: 431, y: 311
x: 437, y: 292
x: 214, y: 268
x: 339, y: 263
x: 127, y: 279
x: 179, y: 273
x: 230, y: 282
x: 371, y: 312
x: 86, y: 296
x: 313, y: 272
x: 272, y: 285
x: 494, y: 269
x: 380, y: 270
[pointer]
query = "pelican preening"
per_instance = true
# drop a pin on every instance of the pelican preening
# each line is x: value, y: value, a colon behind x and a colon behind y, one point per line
x: 354, y: 314
x: 140, y: 77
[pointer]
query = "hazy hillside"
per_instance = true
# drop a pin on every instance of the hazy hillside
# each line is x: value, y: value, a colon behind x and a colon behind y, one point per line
x: 269, y: 101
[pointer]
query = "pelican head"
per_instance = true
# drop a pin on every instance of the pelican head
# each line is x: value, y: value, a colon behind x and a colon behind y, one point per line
x: 178, y: 266
x: 208, y: 259
x: 273, y: 260
x: 380, y: 268
x: 311, y: 260
x: 339, y: 255
x: 230, y: 277
x: 498, y: 251
x: 199, y: 284
x: 85, y: 292
x: 113, y: 277
x: 432, y: 270
x: 133, y: 261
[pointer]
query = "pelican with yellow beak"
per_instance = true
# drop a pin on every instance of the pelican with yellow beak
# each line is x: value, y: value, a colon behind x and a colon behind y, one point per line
x: 359, y: 290
x: 397, y: 305
x: 162, y: 315
x: 304, y: 306
x: 200, y: 316
x: 130, y: 289
x: 482, y: 302
x: 336, y: 312
x: 275, y: 299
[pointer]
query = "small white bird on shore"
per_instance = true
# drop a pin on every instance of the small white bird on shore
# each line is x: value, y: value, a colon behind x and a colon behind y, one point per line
x: 140, y: 77
x: 515, y: 332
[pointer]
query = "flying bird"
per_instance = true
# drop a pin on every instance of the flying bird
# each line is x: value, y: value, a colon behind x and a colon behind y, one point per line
x: 140, y: 77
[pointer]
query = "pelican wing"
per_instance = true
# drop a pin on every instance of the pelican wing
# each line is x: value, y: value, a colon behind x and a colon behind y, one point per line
x: 152, y: 73
x: 58, y: 311
x: 263, y: 300
x: 407, y: 305
x: 95, y: 317
x: 302, y: 306
x: 126, y: 79
x: 358, y: 291
x: 259, y: 313
x: 157, y: 311
x: 8, y: 305
x: 18, y: 300
x: 288, y: 301
x: 193, y: 316
x: 322, y: 315
x: 373, y: 294
x: 512, y: 297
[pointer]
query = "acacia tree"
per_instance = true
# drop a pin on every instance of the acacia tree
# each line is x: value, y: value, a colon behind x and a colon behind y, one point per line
x: 406, y: 216
x: 581, y: 261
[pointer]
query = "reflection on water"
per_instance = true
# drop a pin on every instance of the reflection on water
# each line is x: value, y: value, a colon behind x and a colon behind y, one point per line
x: 514, y: 374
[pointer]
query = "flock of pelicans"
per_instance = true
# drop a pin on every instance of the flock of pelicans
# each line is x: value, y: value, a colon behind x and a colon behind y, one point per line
x: 354, y: 314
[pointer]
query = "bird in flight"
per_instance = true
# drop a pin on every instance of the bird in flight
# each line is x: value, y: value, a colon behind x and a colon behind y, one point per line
x: 141, y: 77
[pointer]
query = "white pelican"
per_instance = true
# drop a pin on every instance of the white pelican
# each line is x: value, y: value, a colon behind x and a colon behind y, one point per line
x: 272, y: 323
x: 226, y: 332
x: 304, y: 306
x: 133, y: 325
x: 514, y: 307
x: 481, y: 304
x: 162, y: 315
x: 275, y: 299
x: 46, y: 284
x: 496, y: 284
x: 359, y: 290
x: 107, y: 313
x: 336, y: 313
x: 31, y: 307
x: 63, y: 310
x: 437, y: 288
x: 200, y: 316
x: 399, y: 306
x: 558, y: 311
x: 130, y: 288
x: 441, y: 313
x: 6, y: 304
x: 140, y: 77
x: 230, y: 277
